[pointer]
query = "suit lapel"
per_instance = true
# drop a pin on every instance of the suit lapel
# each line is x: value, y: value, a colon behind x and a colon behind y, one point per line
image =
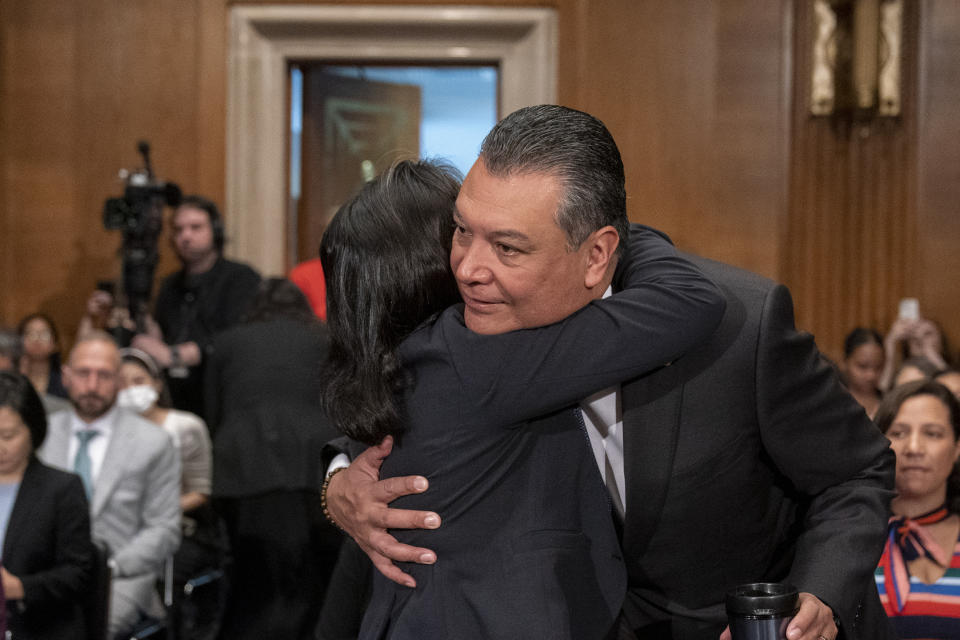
x: 118, y: 449
x: 27, y: 499
x: 56, y: 446
x: 651, y: 418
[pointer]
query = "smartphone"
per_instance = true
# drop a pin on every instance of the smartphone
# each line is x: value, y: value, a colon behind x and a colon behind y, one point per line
x: 909, y: 309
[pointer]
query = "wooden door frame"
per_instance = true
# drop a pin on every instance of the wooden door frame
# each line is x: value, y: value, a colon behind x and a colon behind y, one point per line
x: 265, y: 39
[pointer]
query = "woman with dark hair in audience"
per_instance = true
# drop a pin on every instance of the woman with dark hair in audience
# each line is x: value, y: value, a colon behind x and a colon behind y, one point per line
x: 950, y: 378
x: 919, y: 573
x: 861, y: 367
x: 909, y: 340
x: 262, y: 387
x: 202, y: 548
x: 403, y: 364
x: 48, y: 555
x: 41, y: 354
x: 913, y: 369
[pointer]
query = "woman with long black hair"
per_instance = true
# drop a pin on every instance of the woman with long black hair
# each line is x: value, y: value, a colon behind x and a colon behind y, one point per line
x: 403, y: 363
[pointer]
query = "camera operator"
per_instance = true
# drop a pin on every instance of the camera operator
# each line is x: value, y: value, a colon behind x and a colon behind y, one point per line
x: 206, y: 296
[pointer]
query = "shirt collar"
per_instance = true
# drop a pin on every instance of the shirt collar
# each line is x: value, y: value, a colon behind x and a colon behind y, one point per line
x: 103, y: 425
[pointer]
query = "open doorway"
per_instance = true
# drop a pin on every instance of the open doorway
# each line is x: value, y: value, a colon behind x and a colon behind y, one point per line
x: 266, y: 39
x: 349, y: 122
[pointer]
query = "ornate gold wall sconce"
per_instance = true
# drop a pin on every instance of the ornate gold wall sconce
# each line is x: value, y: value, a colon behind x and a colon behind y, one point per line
x: 856, y: 58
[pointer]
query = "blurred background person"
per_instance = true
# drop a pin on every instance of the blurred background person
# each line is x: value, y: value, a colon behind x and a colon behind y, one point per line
x: 308, y: 276
x: 11, y: 350
x: 862, y: 365
x: 208, y: 294
x: 919, y: 570
x: 201, y: 549
x: 950, y: 378
x: 913, y: 369
x: 268, y: 435
x: 131, y: 473
x: 11, y: 355
x: 41, y: 354
x: 908, y: 339
x: 48, y: 555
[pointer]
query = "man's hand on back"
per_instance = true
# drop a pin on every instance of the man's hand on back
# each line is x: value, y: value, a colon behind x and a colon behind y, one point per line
x: 359, y: 502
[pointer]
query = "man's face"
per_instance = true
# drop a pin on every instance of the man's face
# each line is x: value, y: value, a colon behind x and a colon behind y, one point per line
x: 192, y: 235
x: 91, y: 378
x: 511, y: 261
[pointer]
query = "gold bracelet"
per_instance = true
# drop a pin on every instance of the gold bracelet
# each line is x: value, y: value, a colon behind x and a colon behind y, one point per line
x: 323, y: 497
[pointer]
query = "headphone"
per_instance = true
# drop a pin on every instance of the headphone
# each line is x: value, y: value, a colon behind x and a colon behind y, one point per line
x: 216, y: 222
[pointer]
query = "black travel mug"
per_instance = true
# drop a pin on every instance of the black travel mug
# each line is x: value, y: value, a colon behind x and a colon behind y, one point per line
x: 761, y: 610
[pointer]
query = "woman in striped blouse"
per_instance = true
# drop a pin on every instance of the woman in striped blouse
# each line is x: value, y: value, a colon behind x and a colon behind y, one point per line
x: 919, y: 573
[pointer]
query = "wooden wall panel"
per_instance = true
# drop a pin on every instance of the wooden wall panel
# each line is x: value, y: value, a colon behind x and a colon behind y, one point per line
x: 937, y: 257
x: 83, y: 82
x: 694, y: 94
x: 847, y: 255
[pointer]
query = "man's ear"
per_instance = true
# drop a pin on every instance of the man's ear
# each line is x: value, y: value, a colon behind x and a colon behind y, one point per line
x: 601, y: 255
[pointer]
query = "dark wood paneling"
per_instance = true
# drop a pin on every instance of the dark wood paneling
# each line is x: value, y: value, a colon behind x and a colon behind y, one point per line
x: 85, y: 82
x: 847, y: 255
x: 694, y: 94
x: 938, y: 160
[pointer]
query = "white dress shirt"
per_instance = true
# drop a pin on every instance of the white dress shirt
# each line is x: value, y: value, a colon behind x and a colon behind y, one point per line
x: 603, y: 417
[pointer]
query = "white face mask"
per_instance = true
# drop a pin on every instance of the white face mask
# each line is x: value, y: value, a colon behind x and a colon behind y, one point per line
x: 139, y: 398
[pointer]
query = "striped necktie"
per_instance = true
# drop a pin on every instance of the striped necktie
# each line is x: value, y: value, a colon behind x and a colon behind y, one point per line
x: 82, y: 465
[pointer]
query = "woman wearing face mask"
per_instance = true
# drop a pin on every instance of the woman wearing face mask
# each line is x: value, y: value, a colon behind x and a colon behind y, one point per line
x: 142, y: 390
x: 919, y: 570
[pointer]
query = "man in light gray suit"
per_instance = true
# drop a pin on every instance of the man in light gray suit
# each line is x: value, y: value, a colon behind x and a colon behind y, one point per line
x: 131, y: 471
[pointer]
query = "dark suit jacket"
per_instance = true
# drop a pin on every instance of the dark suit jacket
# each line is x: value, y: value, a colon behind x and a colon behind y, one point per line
x: 527, y: 548
x: 263, y: 407
x: 746, y: 461
x: 48, y: 547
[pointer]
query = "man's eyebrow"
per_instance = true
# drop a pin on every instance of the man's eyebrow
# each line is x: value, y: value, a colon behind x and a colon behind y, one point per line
x: 510, y: 234
x: 499, y: 234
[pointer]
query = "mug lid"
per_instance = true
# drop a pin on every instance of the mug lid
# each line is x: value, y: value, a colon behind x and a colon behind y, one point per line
x: 763, y: 599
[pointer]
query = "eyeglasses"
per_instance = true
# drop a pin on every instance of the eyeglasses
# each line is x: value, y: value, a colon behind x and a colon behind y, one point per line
x: 44, y: 335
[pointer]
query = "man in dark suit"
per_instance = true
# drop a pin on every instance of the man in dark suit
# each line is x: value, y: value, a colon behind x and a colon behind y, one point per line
x: 744, y: 461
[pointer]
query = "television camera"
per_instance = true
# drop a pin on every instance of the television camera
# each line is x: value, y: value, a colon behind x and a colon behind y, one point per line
x: 138, y: 214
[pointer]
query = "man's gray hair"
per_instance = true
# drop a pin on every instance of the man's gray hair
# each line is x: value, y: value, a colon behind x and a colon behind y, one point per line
x: 577, y: 149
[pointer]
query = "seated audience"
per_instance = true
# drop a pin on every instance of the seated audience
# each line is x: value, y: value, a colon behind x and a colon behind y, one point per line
x: 11, y: 353
x: 861, y: 367
x: 919, y: 570
x: 41, y: 354
x: 913, y: 369
x: 201, y: 549
x: 47, y: 555
x: 268, y: 435
x: 908, y: 339
x: 131, y: 473
x: 950, y: 378
x: 11, y: 350
x: 103, y: 314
